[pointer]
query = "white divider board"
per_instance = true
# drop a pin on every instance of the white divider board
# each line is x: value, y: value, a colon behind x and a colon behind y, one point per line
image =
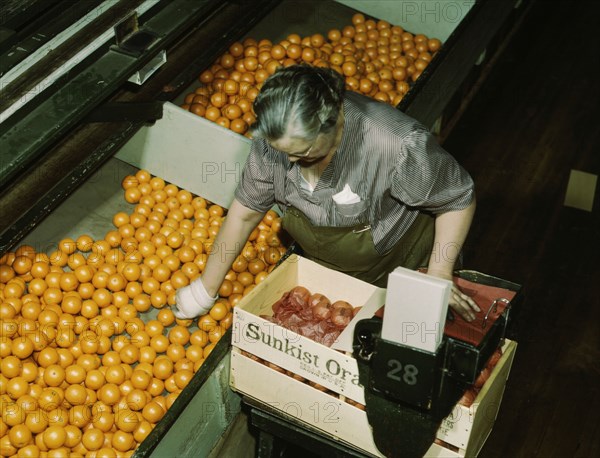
x: 435, y: 19
x: 191, y: 152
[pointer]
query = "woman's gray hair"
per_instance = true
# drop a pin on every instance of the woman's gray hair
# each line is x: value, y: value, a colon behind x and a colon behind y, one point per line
x: 298, y: 101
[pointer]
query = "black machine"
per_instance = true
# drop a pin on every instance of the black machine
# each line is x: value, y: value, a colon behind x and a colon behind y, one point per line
x: 409, y: 392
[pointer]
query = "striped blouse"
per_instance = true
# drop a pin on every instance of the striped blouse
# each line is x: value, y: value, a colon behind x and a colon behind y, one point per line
x: 390, y: 160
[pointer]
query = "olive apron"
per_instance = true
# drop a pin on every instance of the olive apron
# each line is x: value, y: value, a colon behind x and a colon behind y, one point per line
x: 351, y: 249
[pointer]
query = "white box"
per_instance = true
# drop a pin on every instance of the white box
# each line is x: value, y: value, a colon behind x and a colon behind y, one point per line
x: 415, y: 309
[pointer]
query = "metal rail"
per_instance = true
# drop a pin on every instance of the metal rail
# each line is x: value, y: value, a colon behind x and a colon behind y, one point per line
x: 59, y: 170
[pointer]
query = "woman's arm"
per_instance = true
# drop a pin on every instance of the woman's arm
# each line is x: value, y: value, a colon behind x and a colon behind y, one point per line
x: 230, y: 241
x: 451, y: 229
x: 199, y: 296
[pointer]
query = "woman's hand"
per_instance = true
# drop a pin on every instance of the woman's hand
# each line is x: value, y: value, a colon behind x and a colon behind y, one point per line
x: 462, y: 304
x: 458, y: 301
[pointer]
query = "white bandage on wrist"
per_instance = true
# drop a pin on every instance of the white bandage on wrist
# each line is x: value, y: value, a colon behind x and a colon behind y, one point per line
x: 193, y: 300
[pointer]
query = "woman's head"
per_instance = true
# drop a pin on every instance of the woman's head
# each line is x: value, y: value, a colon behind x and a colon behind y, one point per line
x: 298, y: 102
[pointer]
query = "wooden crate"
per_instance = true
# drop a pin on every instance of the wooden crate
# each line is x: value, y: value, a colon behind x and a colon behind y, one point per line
x: 335, y: 368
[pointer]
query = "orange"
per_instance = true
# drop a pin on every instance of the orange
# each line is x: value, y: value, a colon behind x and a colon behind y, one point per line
x: 119, y: 342
x: 183, y: 378
x: 116, y: 282
x: 93, y: 439
x: 36, y: 421
x: 17, y: 387
x: 74, y: 435
x: 75, y: 374
x: 159, y: 343
x: 153, y: 412
x: 22, y: 265
x: 256, y: 266
x: 22, y: 347
x: 215, y: 334
x: 7, y: 273
x: 109, y: 394
x: 162, y: 368
x: 115, y: 374
x: 94, y: 379
x: 89, y: 342
x: 260, y: 277
x: 122, y: 441
x: 105, y: 326
x: 156, y: 387
x: 70, y: 304
x: 206, y: 323
x: 208, y: 349
x: 84, y: 243
x: 89, y: 308
x: 76, y: 394
x: 170, y: 384
x: 54, y: 436
x: 218, y: 311
x: 15, y: 415
x: 175, y: 352
x: 179, y: 335
x: 103, y: 420
x: 140, y: 339
x: 80, y: 416
x: 129, y: 354
x: 143, y: 176
x: 199, y: 337
x: 140, y: 379
x: 166, y: 317
x: 154, y: 327
x: 127, y: 312
x: 10, y: 366
x: 67, y: 245
x: 194, y: 353
x: 136, y: 399
x: 147, y: 354
x: 65, y: 357
x: 126, y: 420
x: 111, y: 358
x: 142, y: 431
x: 54, y: 375
x: 50, y: 398
x: 29, y: 371
x: 89, y: 362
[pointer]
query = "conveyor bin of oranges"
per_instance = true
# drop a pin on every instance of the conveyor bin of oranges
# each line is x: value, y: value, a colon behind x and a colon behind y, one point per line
x: 82, y: 374
x: 376, y: 58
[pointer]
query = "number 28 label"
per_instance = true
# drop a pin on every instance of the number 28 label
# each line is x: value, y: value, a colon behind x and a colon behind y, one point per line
x: 406, y: 373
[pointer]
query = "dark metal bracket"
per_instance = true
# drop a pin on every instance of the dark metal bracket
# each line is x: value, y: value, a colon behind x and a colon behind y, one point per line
x: 127, y: 111
x: 130, y: 39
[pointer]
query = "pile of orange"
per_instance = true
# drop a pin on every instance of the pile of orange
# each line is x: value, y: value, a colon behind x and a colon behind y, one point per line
x: 376, y: 58
x: 81, y: 373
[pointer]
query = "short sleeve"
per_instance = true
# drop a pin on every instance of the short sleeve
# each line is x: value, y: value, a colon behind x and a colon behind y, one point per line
x: 256, y: 189
x: 429, y: 178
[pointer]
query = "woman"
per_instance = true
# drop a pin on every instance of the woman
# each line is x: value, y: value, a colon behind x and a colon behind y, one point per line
x: 363, y: 188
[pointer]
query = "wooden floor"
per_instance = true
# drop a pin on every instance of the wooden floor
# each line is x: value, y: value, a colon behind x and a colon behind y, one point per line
x: 536, y: 117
